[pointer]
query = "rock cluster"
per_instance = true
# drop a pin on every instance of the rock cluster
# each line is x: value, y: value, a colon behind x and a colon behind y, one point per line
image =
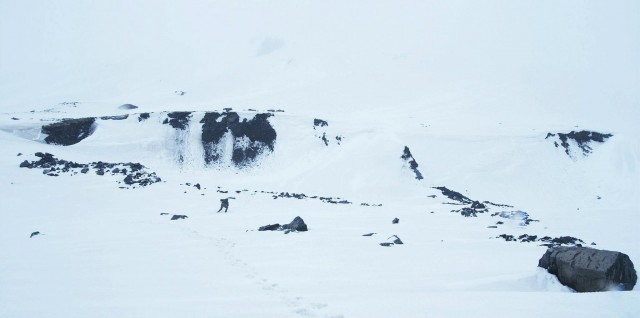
x: 134, y: 174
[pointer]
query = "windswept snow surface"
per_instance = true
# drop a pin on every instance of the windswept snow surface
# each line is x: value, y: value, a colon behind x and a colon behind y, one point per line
x: 471, y: 87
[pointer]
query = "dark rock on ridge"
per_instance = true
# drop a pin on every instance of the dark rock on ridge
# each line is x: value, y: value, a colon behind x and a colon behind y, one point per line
x: 582, y: 138
x: 413, y: 165
x: 250, y: 137
x: 143, y: 116
x: 69, y: 131
x: 590, y: 270
x: 178, y: 120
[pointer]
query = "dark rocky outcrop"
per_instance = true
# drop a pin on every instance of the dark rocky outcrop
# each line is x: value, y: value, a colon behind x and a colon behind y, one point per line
x: 143, y: 116
x: 250, y: 137
x: 590, y: 270
x: 69, y: 131
x: 582, y: 139
x: 392, y: 240
x: 34, y: 234
x: 319, y: 123
x: 178, y: 217
x: 116, y: 117
x: 455, y: 196
x: 297, y: 225
x: 546, y: 240
x: 134, y: 173
x: 395, y: 221
x: 178, y: 120
x: 413, y: 165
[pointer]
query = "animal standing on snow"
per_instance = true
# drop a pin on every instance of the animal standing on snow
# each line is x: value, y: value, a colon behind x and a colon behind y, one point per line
x: 224, y: 204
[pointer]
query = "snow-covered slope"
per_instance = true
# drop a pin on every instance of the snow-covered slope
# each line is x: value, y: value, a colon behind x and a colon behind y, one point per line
x: 472, y: 89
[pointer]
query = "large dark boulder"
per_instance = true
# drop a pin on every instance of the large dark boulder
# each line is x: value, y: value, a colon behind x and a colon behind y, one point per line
x: 296, y: 225
x: 69, y: 131
x: 590, y: 270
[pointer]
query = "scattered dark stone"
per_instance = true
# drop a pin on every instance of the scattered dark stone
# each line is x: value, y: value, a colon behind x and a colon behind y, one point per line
x: 144, y: 116
x: 180, y: 93
x: 413, y: 165
x: 433, y: 196
x: 34, y: 234
x: 270, y: 227
x: 100, y: 172
x: 395, y: 221
x: 69, y: 131
x: 118, y: 117
x: 492, y: 226
x: 508, y: 238
x: 319, y: 123
x: 14, y: 118
x: 582, y: 138
x: 453, y: 195
x: 127, y: 106
x: 386, y: 244
x: 467, y: 212
x: 25, y: 164
x: 396, y: 239
x: 178, y: 120
x: 499, y: 222
x: 477, y: 205
x: 324, y: 139
x: 368, y: 234
x: 19, y: 154
x: 227, y: 109
x: 527, y: 238
x: 197, y: 185
x: 164, y: 213
x: 178, y: 217
x: 590, y: 270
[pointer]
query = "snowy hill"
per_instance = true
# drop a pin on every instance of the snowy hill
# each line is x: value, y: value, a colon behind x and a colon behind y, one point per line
x: 520, y: 116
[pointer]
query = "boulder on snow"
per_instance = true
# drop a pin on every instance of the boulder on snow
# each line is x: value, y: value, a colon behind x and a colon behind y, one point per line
x: 179, y: 217
x: 395, y: 221
x: 270, y: 227
x: 127, y: 106
x: 34, y: 234
x: 590, y: 270
x: 296, y: 225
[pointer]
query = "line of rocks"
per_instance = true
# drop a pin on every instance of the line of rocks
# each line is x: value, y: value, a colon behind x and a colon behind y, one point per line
x: 135, y: 174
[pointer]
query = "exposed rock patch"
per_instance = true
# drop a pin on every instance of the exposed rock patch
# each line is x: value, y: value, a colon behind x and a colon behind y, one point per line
x: 250, y: 137
x: 134, y: 174
x: 69, y: 131
x: 413, y: 165
x: 178, y: 120
x: 581, y: 138
x: 546, y: 240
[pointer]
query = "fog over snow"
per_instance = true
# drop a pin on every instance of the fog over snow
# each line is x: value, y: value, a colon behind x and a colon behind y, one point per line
x: 482, y: 93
